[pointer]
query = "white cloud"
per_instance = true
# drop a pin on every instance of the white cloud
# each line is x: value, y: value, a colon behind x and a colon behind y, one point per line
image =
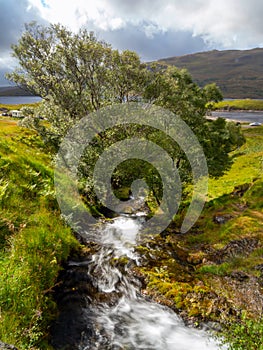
x: 75, y: 14
x: 227, y: 23
x: 153, y: 28
x: 7, y: 62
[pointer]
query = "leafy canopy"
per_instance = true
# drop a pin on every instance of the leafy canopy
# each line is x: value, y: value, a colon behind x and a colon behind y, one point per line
x: 76, y: 74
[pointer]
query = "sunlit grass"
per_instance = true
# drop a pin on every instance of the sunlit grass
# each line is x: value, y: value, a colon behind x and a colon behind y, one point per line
x: 18, y: 106
x: 247, y: 165
x: 246, y: 104
x: 33, y: 239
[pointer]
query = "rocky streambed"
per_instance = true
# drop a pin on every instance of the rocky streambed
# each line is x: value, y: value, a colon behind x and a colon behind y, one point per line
x: 102, y: 301
x: 120, y: 291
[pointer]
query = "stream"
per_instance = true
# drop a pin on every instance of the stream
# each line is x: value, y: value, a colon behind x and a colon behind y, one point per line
x: 126, y: 319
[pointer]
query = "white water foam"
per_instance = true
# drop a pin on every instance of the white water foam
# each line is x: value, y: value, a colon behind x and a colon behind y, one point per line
x: 135, y: 323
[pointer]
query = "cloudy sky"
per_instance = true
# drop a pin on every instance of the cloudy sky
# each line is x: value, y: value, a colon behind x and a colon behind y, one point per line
x: 153, y: 28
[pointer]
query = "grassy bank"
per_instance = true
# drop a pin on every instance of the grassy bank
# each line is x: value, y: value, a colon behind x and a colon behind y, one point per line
x: 214, y: 272
x: 18, y: 106
x: 247, y: 104
x: 247, y: 165
x: 33, y: 239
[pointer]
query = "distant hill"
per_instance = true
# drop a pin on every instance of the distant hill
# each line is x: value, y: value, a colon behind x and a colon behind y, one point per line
x: 13, y: 91
x: 239, y: 73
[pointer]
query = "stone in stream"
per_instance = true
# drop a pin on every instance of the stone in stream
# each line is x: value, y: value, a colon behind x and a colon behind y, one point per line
x: 4, y: 346
x: 74, y: 320
x: 74, y: 295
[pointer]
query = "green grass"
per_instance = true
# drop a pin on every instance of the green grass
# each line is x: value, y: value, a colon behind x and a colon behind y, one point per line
x: 244, y: 213
x: 18, y: 106
x: 246, y: 104
x: 196, y: 271
x: 33, y: 239
x: 247, y: 334
x: 247, y: 165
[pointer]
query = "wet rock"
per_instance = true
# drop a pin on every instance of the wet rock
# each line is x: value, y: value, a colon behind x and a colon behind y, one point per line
x: 211, y: 326
x: 239, y: 275
x: 240, y: 190
x: 259, y: 268
x: 76, y: 296
x: 4, y: 346
x: 221, y: 219
x: 241, y: 246
x: 234, y: 248
x: 127, y: 210
x: 74, y: 322
x: 72, y: 326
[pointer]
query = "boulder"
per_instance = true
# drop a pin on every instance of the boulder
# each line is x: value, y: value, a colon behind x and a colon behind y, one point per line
x: 4, y: 346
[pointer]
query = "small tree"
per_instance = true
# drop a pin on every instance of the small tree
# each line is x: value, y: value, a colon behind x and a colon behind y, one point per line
x: 174, y: 89
x: 77, y: 74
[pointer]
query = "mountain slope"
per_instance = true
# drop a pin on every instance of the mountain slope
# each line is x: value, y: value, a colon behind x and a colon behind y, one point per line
x: 13, y: 91
x: 239, y: 73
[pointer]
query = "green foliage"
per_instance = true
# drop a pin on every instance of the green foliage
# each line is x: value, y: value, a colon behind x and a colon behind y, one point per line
x: 77, y: 74
x: 244, y: 335
x: 223, y: 138
x: 27, y: 111
x: 74, y: 74
x: 212, y: 93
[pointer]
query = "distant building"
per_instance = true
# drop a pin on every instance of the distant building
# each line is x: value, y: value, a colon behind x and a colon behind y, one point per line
x: 16, y: 114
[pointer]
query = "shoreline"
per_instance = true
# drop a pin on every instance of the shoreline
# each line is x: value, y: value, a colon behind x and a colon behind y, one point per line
x: 238, y: 110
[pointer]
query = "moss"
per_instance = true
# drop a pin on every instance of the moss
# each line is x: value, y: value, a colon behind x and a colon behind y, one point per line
x: 193, y: 298
x: 204, y: 273
x: 246, y: 334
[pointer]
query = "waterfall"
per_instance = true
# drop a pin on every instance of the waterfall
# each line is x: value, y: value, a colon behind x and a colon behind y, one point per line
x: 130, y: 321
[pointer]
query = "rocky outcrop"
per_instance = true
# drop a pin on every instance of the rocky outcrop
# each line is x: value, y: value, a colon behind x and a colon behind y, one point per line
x: 243, y: 246
x: 4, y: 346
x: 73, y: 323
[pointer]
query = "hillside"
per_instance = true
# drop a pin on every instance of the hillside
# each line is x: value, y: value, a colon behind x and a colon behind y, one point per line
x: 239, y: 73
x: 13, y: 91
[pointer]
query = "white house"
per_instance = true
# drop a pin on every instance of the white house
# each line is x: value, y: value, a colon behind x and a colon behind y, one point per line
x: 16, y: 114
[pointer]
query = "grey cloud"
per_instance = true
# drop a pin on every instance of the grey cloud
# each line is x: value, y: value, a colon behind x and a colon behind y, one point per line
x: 163, y: 44
x: 154, y: 6
x: 3, y: 81
x: 13, y: 15
x: 137, y: 6
x: 227, y: 24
